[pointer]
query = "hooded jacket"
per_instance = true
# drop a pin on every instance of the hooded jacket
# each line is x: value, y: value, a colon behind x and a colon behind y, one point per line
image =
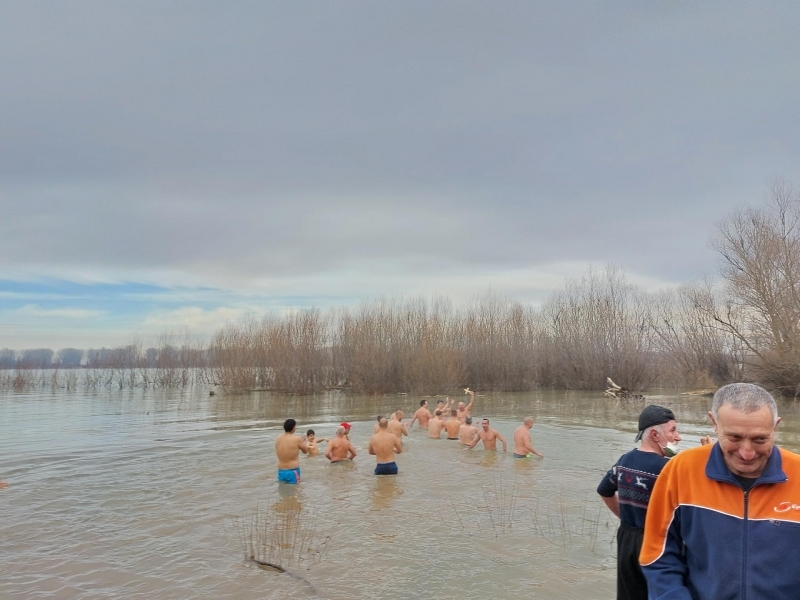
x: 707, y: 539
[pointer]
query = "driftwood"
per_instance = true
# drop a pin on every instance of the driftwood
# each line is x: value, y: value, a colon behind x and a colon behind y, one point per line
x: 620, y: 392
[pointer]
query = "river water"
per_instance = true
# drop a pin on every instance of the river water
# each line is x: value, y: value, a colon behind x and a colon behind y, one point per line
x: 158, y: 494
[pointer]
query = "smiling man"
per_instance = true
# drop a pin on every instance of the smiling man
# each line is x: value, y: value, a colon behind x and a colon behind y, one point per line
x: 724, y: 519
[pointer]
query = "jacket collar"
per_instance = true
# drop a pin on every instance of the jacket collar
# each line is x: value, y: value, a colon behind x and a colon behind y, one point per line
x: 717, y: 469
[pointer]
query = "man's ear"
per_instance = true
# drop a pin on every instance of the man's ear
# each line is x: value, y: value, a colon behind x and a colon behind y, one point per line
x: 778, y: 422
x: 711, y: 416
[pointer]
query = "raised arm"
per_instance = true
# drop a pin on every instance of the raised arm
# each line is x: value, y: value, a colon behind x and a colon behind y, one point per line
x: 471, y: 400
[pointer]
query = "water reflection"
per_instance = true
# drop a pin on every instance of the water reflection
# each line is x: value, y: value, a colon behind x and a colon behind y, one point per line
x: 384, y: 491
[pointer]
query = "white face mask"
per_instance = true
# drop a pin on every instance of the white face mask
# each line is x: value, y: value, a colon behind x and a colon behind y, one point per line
x: 670, y: 450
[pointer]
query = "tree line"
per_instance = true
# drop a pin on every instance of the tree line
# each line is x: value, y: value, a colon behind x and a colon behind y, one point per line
x: 743, y: 325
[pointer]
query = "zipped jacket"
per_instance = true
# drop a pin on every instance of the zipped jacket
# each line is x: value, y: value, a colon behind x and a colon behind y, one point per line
x: 707, y: 539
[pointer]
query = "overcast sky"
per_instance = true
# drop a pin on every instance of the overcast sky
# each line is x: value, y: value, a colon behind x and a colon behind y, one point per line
x: 169, y: 165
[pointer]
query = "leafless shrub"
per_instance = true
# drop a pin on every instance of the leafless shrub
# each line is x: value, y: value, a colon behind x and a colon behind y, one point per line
x: 284, y: 535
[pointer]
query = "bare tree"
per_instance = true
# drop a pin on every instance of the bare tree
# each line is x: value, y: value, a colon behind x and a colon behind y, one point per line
x: 760, y: 251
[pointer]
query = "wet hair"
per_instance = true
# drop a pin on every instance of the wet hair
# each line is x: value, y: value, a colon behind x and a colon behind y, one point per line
x: 744, y: 397
x: 289, y: 425
x: 438, y: 413
x: 422, y: 402
x: 454, y: 413
x: 468, y: 420
x: 379, y: 418
x: 310, y: 432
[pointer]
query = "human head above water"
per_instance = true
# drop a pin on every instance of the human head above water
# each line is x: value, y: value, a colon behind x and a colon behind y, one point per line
x: 468, y: 420
x: 423, y: 402
x: 289, y: 425
x: 310, y: 432
x: 383, y: 423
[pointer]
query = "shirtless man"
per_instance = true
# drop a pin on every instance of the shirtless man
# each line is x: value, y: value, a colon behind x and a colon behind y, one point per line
x: 452, y: 425
x: 440, y: 405
x: 288, y: 447
x: 465, y: 411
x: 383, y: 446
x: 396, y: 425
x: 522, y: 440
x: 489, y: 438
x: 423, y: 415
x: 467, y: 433
x: 340, y: 448
x: 312, y: 441
x: 435, y: 425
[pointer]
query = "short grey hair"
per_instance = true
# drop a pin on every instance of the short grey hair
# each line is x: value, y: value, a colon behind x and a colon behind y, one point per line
x: 340, y: 430
x: 658, y: 428
x: 746, y: 397
x: 528, y: 420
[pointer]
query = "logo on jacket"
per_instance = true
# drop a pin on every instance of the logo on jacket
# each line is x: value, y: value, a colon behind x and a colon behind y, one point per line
x: 786, y: 507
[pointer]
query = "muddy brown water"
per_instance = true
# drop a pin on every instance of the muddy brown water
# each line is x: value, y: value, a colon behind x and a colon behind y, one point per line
x: 138, y: 494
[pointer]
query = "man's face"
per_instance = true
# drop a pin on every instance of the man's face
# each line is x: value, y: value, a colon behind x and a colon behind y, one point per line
x: 311, y: 437
x: 669, y: 432
x: 425, y: 404
x: 746, y: 439
x: 485, y: 425
x: 461, y: 406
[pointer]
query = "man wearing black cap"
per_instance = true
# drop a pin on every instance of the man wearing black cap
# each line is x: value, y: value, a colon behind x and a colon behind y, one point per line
x: 626, y: 491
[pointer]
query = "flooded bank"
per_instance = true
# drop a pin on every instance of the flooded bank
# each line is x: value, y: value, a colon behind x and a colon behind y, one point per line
x: 137, y: 493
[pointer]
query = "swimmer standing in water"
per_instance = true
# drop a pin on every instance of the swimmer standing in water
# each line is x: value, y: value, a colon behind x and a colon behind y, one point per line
x: 465, y: 411
x: 396, y: 425
x: 523, y: 448
x: 340, y: 449
x: 489, y: 437
x: 435, y: 426
x: 423, y: 415
x: 467, y: 433
x: 288, y: 448
x: 312, y: 441
x: 383, y: 446
x: 452, y: 425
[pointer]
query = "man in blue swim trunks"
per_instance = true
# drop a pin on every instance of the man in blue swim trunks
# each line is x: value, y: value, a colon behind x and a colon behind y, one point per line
x: 383, y: 446
x: 288, y: 448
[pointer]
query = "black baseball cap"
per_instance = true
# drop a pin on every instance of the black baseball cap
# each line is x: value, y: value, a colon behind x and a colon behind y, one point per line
x: 653, y: 415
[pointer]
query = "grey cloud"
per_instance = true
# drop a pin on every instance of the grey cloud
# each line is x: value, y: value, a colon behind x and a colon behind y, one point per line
x: 279, y: 138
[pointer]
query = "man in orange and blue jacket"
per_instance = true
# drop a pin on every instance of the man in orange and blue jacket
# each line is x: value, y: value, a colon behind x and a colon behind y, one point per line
x: 724, y: 519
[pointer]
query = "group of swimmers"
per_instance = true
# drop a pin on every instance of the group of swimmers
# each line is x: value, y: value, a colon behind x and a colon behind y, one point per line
x: 387, y: 440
